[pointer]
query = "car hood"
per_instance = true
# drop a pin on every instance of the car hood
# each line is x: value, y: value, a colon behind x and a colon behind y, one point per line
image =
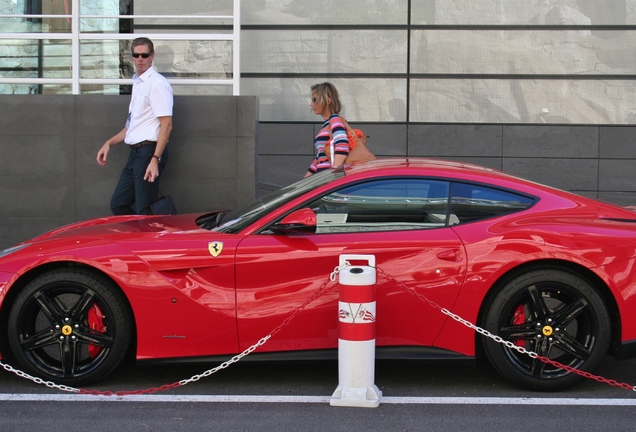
x: 163, y: 242
x: 124, y: 227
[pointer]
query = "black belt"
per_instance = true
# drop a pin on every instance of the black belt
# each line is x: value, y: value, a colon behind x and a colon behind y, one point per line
x: 143, y: 143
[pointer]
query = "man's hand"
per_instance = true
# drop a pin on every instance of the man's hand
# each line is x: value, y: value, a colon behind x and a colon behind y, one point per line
x: 102, y: 154
x: 152, y: 172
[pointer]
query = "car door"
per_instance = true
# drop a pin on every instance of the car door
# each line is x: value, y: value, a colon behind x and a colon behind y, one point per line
x: 403, y: 222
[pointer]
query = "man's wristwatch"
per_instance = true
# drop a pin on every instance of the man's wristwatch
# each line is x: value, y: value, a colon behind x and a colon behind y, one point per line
x: 157, y: 157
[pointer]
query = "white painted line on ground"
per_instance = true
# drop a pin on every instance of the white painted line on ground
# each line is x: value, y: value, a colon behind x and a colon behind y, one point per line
x: 30, y: 397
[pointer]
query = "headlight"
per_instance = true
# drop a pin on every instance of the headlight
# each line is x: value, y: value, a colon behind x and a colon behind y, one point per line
x: 6, y: 252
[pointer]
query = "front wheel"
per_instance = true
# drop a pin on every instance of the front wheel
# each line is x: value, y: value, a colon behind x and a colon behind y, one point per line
x: 555, y: 314
x: 70, y: 326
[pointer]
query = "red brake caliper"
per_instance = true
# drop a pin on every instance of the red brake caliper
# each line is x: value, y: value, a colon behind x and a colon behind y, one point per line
x: 96, y: 323
x: 519, y: 318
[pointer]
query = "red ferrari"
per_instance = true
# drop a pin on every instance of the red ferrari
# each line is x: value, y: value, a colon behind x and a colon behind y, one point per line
x: 546, y: 270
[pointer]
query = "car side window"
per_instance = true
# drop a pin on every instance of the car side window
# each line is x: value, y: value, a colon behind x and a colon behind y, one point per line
x: 472, y: 202
x: 384, y: 205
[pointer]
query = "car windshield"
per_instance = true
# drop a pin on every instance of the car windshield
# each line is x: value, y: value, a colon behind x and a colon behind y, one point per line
x: 236, y: 220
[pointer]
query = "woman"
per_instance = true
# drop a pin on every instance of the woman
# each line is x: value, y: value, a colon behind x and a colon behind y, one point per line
x: 326, y: 103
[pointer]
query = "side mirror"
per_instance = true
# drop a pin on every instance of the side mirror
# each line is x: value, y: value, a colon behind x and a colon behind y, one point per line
x: 301, y: 221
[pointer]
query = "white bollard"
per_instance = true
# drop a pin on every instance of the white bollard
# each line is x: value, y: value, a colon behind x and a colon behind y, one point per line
x: 356, y: 335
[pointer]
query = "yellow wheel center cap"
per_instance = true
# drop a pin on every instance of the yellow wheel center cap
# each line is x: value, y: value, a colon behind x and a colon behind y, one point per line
x: 67, y: 330
x: 547, y: 331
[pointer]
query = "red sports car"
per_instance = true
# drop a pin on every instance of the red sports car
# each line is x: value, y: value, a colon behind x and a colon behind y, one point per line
x: 546, y: 270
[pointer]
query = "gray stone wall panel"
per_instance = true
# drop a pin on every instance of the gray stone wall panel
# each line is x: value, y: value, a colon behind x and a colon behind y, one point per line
x: 44, y: 115
x: 617, y: 175
x: 247, y: 116
x: 286, y: 139
x: 453, y: 141
x: 201, y: 195
x: 199, y: 157
x: 567, y: 174
x: 41, y: 196
x: 93, y: 194
x: 385, y: 140
x: 85, y: 153
x: 47, y: 155
x: 246, y: 170
x: 620, y: 198
x: 100, y: 116
x: 617, y: 142
x: 196, y: 116
x: 551, y: 141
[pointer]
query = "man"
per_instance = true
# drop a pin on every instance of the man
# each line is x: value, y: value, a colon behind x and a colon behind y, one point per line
x: 146, y: 133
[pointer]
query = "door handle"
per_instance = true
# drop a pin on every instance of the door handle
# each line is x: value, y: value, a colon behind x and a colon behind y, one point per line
x: 453, y: 255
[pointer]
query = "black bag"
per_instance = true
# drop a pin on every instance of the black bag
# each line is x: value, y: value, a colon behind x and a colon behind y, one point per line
x: 164, y: 206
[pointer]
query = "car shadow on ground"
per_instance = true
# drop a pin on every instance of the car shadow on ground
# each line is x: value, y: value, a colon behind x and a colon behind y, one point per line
x: 394, y: 378
x: 312, y: 378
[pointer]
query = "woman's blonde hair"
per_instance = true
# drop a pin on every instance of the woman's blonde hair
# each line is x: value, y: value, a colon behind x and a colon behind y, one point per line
x: 327, y: 96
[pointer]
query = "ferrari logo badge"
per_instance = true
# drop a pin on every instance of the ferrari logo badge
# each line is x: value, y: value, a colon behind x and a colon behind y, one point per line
x: 215, y: 248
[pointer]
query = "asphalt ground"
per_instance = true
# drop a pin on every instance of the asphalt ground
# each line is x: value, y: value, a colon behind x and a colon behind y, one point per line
x: 295, y: 396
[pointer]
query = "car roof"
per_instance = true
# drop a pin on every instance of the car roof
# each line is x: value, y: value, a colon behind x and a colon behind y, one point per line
x: 434, y: 167
x: 420, y: 163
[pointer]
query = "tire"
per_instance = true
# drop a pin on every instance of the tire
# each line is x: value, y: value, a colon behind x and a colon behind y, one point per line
x: 71, y: 327
x: 555, y: 314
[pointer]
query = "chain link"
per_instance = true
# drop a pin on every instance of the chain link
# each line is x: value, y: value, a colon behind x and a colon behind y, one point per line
x: 37, y: 380
x: 338, y: 269
x: 321, y: 290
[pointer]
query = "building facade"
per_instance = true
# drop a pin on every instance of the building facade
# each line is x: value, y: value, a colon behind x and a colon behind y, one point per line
x: 539, y: 88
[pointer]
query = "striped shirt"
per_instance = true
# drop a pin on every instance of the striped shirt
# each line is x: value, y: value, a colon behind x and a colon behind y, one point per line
x: 341, y: 143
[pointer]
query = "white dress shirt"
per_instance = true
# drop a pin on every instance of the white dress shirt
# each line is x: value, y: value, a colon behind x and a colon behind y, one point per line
x: 151, y: 98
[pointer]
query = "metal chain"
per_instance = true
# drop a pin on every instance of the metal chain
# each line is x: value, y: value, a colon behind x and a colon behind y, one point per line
x: 37, y: 380
x: 500, y: 340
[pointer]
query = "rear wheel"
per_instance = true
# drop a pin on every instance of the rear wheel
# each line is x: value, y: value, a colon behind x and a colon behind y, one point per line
x: 70, y: 326
x: 555, y: 314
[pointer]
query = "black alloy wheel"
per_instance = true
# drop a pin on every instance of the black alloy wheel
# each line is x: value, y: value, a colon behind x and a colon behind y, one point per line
x: 557, y: 315
x: 70, y: 326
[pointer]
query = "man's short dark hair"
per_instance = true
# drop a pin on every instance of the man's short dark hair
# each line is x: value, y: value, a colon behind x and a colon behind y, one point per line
x: 143, y: 41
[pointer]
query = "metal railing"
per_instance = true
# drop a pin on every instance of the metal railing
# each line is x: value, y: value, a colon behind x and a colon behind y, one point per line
x: 76, y: 37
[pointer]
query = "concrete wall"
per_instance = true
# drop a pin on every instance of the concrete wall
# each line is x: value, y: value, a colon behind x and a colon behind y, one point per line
x: 221, y: 157
x: 596, y: 161
x: 48, y: 144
